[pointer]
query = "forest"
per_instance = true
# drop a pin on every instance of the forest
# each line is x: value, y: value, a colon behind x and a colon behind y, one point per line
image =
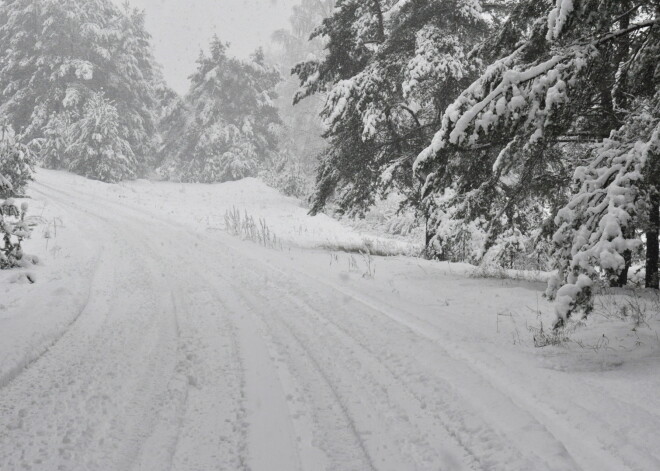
x: 522, y: 133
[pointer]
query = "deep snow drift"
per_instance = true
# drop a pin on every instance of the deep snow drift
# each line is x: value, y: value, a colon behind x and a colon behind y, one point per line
x: 154, y: 340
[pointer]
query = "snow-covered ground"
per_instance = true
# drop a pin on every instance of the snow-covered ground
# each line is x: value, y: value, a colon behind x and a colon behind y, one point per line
x: 153, y: 340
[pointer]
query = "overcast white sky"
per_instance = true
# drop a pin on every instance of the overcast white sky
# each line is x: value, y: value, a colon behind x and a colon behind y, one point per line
x: 180, y: 28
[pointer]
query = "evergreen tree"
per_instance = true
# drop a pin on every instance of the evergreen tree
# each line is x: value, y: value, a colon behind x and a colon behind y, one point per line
x: 16, y: 163
x: 301, y: 141
x: 100, y: 149
x: 59, y: 55
x: 389, y: 69
x: 170, y: 112
x: 227, y: 126
x: 617, y: 200
x: 571, y: 83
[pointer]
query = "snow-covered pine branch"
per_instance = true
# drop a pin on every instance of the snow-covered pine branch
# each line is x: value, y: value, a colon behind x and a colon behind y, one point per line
x: 597, y: 228
x: 390, y: 67
x: 582, y: 68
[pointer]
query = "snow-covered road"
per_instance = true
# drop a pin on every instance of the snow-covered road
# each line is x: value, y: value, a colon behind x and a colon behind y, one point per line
x: 165, y: 346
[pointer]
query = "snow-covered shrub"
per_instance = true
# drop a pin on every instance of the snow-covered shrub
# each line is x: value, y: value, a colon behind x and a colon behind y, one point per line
x: 13, y: 230
x: 88, y: 138
x: 457, y: 240
x: 16, y: 163
x: 548, y: 337
x: 392, y: 216
x: 222, y: 153
x: 517, y: 250
x: 636, y: 306
x: 58, y: 136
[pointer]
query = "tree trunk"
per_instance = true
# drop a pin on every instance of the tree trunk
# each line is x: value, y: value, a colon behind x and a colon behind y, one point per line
x: 427, y: 242
x: 622, y: 279
x: 378, y: 11
x: 621, y: 88
x: 623, y: 276
x: 652, y: 242
x: 429, y: 236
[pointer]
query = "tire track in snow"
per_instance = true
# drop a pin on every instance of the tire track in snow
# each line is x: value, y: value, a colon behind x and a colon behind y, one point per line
x: 219, y: 299
x: 296, y: 304
x: 185, y: 369
x: 321, y: 366
x: 197, y: 342
x: 249, y: 298
x: 430, y: 331
x: 246, y: 297
x: 85, y: 396
x: 157, y: 447
x: 318, y: 371
x: 231, y: 314
x: 396, y: 386
x: 40, y: 350
x: 458, y: 433
x: 421, y: 327
x: 283, y: 275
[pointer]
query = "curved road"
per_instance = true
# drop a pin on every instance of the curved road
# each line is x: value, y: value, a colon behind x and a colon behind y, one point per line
x: 195, y: 351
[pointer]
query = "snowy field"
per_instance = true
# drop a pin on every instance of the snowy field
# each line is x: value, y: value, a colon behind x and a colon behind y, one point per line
x: 154, y: 340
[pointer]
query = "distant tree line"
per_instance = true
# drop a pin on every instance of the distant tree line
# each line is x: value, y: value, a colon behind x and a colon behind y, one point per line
x: 80, y: 90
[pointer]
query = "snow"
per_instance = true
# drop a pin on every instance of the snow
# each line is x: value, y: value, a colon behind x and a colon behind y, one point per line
x: 567, y: 295
x: 438, y: 57
x: 153, y: 340
x: 558, y: 17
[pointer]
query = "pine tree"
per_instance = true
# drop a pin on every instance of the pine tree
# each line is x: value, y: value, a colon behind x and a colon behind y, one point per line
x: 16, y: 163
x: 227, y: 125
x: 301, y: 141
x: 569, y: 79
x: 389, y: 69
x: 61, y: 54
x: 171, y: 109
x: 100, y: 148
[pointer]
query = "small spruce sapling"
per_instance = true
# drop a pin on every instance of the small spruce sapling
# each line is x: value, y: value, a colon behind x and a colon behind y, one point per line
x: 14, y: 229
